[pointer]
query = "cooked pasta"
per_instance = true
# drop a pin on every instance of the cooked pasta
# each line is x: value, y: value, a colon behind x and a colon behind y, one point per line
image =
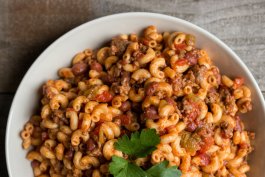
x: 157, y: 80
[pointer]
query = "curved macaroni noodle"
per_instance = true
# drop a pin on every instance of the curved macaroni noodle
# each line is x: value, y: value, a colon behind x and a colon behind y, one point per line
x: 154, y: 80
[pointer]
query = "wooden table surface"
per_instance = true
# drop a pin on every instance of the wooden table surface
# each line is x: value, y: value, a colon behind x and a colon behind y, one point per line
x: 27, y: 27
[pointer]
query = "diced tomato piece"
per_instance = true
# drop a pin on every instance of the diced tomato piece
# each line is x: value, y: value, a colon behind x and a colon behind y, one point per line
x: 181, y: 62
x: 181, y: 46
x: 125, y: 119
x: 104, y: 97
x: 206, y: 144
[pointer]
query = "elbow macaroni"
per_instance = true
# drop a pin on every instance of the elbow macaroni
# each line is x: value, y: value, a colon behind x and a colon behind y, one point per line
x: 157, y: 80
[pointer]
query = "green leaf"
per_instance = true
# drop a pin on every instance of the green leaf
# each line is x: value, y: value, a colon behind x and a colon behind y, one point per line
x: 149, y: 137
x: 124, y: 144
x: 161, y: 170
x: 135, y: 136
x: 117, y: 164
x: 140, y: 144
x: 120, y: 167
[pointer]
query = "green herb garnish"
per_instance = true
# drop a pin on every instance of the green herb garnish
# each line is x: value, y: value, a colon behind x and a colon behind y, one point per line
x: 161, y: 170
x: 120, y: 167
x: 140, y: 145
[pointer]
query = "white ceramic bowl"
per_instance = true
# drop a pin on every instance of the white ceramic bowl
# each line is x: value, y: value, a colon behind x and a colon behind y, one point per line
x: 92, y: 35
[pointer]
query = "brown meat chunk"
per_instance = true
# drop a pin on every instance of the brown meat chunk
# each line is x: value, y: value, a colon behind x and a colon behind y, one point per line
x: 151, y: 113
x: 212, y: 96
x: 118, y: 46
x: 192, y: 56
x: 199, y: 73
x: 226, y: 130
x: 228, y: 100
x: 125, y: 78
x: 107, y: 79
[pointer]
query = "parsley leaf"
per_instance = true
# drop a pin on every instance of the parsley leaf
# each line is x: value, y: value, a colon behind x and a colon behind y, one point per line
x: 161, y: 170
x: 120, y: 167
x: 149, y: 137
x: 140, y: 144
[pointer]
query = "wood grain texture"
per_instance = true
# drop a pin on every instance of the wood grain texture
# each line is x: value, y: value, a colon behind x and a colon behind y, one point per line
x: 5, y: 102
x: 240, y: 24
x: 29, y: 26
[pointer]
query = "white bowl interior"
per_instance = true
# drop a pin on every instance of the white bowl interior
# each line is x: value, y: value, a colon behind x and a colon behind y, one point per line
x: 92, y: 35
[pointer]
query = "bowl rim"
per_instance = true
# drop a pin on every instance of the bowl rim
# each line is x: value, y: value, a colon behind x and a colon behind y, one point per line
x: 111, y: 17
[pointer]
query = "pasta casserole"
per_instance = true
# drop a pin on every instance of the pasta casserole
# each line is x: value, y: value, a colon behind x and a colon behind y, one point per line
x: 182, y: 115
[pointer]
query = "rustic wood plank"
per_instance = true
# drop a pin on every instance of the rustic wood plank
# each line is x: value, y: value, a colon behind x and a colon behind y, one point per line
x: 28, y: 27
x: 5, y: 103
x: 240, y: 24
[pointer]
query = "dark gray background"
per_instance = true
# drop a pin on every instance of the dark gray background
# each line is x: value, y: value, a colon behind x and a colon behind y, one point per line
x: 27, y: 27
